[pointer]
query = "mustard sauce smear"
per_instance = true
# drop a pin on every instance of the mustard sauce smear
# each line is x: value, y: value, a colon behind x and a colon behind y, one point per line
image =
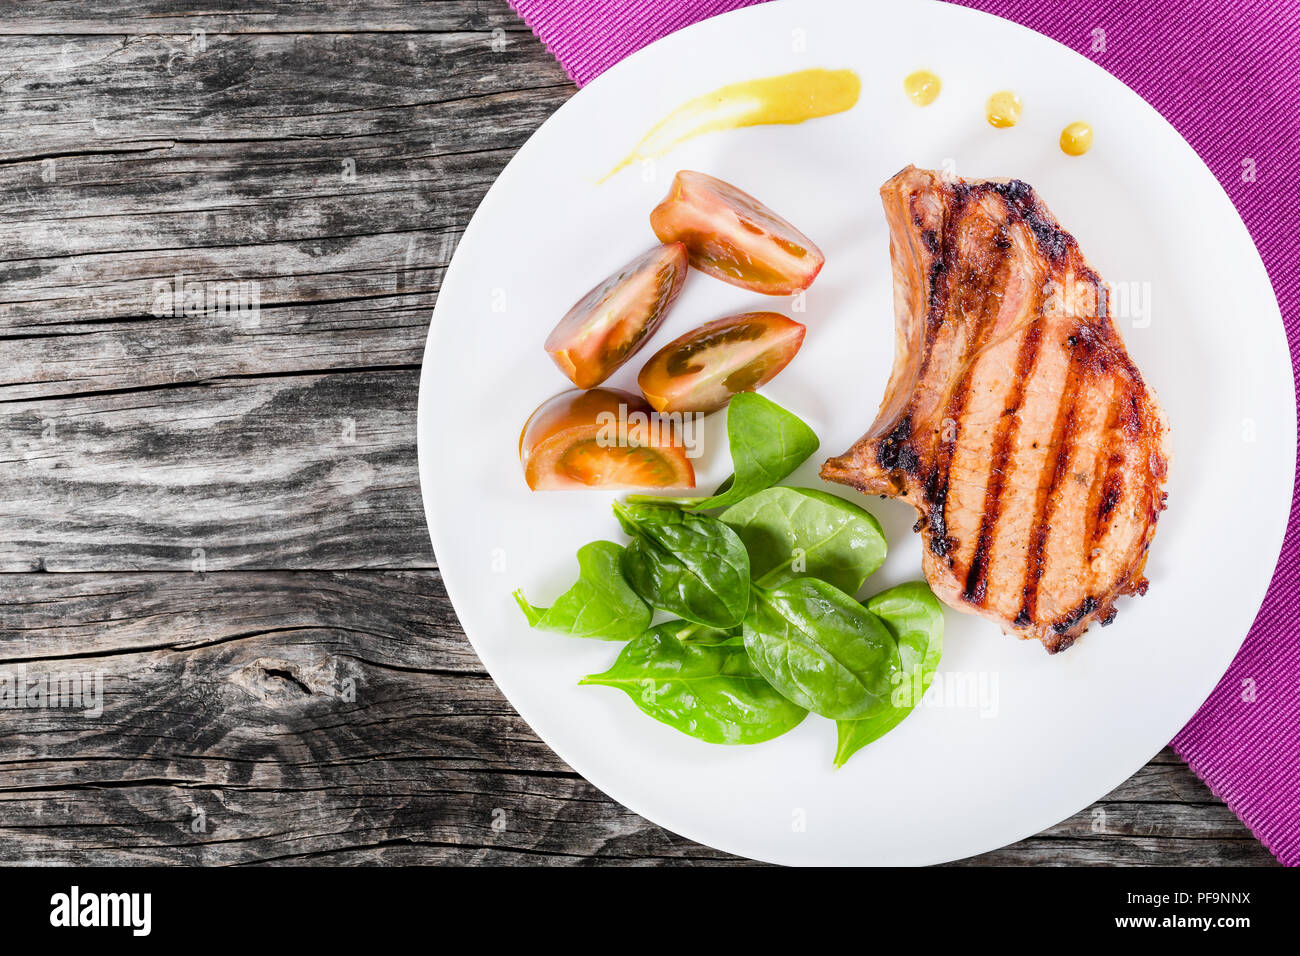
x: 786, y: 99
x: 922, y: 87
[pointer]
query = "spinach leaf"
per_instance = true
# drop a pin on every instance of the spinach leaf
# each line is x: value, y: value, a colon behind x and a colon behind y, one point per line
x: 800, y: 532
x: 600, y: 604
x: 915, y: 618
x: 709, y: 691
x: 686, y: 564
x: 821, y: 649
x: 767, y: 444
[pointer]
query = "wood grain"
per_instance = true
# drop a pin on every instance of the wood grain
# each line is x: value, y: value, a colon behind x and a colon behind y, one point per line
x: 215, y: 514
x: 290, y: 471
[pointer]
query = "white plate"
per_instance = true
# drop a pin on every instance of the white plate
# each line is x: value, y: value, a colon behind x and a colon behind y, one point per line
x: 1053, y: 733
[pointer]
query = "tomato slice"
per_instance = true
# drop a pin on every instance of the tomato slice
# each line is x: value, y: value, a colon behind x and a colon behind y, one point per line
x: 590, y: 439
x: 612, y: 321
x: 732, y: 236
x: 701, y: 370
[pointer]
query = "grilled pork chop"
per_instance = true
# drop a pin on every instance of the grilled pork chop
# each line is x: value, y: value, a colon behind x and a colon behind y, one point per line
x: 1014, y: 421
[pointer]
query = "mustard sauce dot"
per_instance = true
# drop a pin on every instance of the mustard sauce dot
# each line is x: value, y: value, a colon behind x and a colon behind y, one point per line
x: 1003, y: 109
x: 922, y: 87
x: 1076, y: 139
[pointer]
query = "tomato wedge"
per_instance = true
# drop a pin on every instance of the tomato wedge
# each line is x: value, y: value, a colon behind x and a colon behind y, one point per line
x: 701, y: 370
x: 612, y: 321
x: 596, y: 438
x: 732, y: 236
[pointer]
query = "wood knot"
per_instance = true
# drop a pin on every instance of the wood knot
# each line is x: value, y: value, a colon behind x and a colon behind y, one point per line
x: 273, y: 680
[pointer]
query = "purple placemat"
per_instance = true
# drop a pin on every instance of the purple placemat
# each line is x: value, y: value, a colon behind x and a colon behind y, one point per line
x: 1227, y: 76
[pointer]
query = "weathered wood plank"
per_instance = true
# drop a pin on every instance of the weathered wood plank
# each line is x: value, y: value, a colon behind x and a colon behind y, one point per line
x: 264, y: 16
x: 50, y: 616
x: 176, y: 200
x: 1108, y: 850
x: 227, y: 694
x: 296, y: 471
x: 386, y: 331
x: 199, y: 195
x: 73, y: 95
x: 47, y: 296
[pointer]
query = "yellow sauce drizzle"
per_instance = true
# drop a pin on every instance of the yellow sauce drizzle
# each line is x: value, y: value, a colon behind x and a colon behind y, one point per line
x: 1003, y: 109
x: 922, y: 86
x: 789, y: 98
x: 1076, y: 139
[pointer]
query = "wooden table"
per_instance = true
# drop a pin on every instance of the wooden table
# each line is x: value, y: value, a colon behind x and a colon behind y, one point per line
x: 215, y: 512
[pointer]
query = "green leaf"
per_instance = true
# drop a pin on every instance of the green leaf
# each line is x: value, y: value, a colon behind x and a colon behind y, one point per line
x: 821, y: 649
x: 599, y: 605
x: 915, y: 618
x: 767, y: 444
x: 686, y: 564
x: 801, y: 532
x: 708, y: 691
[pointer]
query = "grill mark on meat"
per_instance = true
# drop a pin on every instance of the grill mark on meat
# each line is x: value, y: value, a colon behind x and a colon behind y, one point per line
x: 940, y: 278
x: 1008, y: 428
x: 1045, y: 503
x: 978, y: 291
x: 1108, y: 484
x: 937, y: 496
x: 1105, y: 488
x: 1112, y: 487
x: 936, y: 487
